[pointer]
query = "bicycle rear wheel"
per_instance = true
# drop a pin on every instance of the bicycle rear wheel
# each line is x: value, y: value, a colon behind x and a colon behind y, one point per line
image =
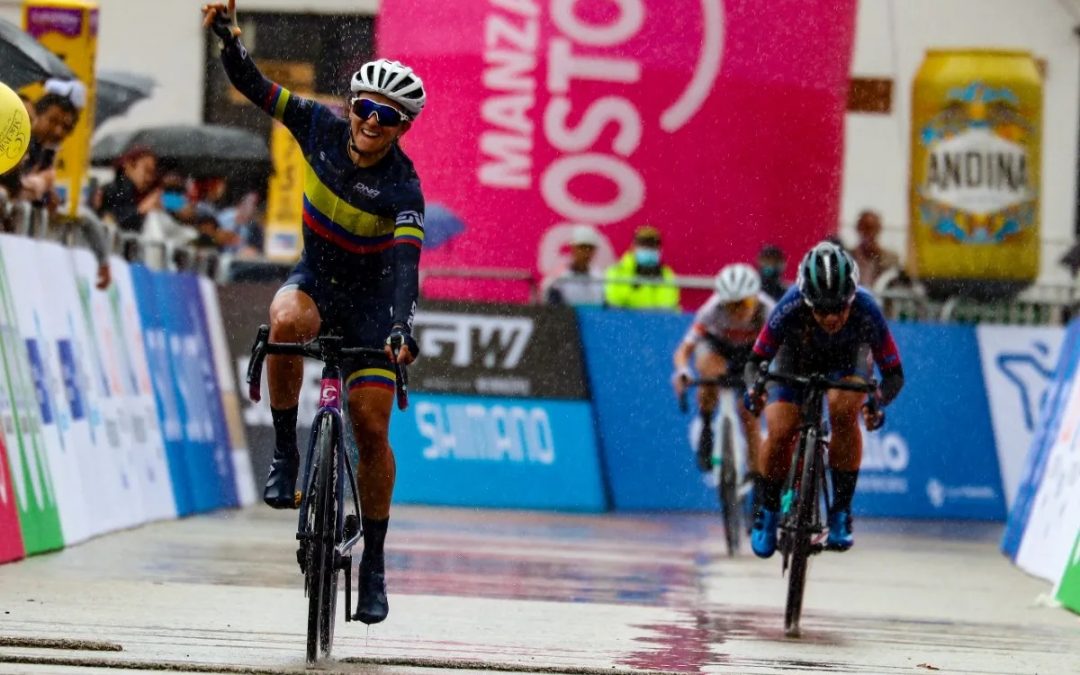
x: 322, y: 564
x: 728, y: 488
x: 801, y: 536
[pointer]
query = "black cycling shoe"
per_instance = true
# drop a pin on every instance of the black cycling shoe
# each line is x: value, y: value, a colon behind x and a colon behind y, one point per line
x: 280, y: 490
x: 372, y: 606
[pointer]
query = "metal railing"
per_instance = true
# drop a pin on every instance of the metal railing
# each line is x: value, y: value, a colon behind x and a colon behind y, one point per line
x: 86, y: 230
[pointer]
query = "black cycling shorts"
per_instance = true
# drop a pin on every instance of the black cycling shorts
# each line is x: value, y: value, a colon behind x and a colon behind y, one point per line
x: 735, y: 355
x: 360, y: 310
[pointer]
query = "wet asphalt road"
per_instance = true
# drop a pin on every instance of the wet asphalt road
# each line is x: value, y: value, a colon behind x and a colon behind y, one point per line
x: 484, y: 591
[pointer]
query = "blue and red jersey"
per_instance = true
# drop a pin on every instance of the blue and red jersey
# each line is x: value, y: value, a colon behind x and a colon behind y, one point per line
x: 792, y: 324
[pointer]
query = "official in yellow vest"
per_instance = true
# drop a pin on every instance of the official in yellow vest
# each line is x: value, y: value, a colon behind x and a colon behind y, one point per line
x: 642, y: 260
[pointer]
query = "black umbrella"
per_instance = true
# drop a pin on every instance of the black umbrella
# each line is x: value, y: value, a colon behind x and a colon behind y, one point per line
x: 118, y: 90
x: 24, y: 60
x: 197, y: 150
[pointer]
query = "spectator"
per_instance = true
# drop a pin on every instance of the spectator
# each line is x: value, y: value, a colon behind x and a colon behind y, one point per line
x: 873, y: 260
x: 134, y: 193
x: 578, y: 284
x: 174, y: 197
x: 642, y: 263
x: 770, y: 264
x: 53, y: 119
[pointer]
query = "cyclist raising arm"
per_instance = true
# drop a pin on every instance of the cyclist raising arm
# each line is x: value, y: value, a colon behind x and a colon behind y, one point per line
x: 821, y: 325
x: 721, y: 340
x: 358, y: 276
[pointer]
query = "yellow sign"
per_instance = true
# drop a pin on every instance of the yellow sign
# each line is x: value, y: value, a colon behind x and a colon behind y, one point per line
x: 14, y: 129
x: 69, y: 29
x: 976, y: 148
x: 285, y: 197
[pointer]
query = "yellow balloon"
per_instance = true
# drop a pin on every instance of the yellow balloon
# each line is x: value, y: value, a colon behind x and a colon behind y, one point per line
x: 14, y: 129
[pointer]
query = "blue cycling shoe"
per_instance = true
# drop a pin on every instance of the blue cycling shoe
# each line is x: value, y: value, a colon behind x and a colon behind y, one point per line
x: 840, y: 535
x: 763, y: 534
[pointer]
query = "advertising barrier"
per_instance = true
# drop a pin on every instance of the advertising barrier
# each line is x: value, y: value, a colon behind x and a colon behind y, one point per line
x: 498, y: 350
x: 499, y: 414
x: 497, y: 452
x: 11, y: 545
x: 1018, y: 365
x: 39, y: 516
x: 1045, y: 518
x: 917, y: 466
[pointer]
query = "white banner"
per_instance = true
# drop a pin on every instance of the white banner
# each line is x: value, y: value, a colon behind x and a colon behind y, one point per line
x: 1018, y: 365
x: 43, y: 411
x: 1055, y: 516
x: 152, y: 464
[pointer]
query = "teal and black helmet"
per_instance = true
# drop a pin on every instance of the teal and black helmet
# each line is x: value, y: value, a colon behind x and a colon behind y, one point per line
x: 828, y: 277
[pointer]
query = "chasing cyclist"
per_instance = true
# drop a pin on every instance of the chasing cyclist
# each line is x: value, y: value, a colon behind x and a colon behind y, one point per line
x: 824, y: 325
x: 358, y: 276
x: 721, y: 340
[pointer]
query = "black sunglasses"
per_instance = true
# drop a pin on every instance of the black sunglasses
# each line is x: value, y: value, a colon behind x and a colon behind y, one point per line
x: 385, y: 115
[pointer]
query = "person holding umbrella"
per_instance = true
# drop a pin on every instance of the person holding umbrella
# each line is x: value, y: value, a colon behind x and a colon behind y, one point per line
x: 363, y: 230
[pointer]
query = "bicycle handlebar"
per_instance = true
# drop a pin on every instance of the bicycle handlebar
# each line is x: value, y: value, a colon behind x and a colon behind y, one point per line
x: 815, y: 381
x: 723, y: 381
x: 325, y: 348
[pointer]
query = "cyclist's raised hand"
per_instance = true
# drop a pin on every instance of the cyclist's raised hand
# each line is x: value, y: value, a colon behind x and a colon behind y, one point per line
x: 400, y: 346
x: 221, y: 19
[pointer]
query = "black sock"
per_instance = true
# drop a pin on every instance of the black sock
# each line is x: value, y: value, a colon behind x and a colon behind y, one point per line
x: 706, y: 439
x: 843, y: 489
x: 374, y: 537
x: 285, y: 431
x: 770, y: 493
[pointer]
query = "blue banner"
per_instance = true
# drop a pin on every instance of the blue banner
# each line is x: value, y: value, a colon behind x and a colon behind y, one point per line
x: 200, y: 384
x: 154, y: 311
x: 935, y: 458
x: 1050, y: 420
x: 497, y: 452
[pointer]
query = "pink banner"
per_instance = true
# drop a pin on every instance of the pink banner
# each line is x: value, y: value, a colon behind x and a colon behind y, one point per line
x: 718, y: 121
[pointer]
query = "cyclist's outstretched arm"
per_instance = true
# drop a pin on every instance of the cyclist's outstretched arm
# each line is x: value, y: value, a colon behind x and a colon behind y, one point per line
x: 887, y: 357
x: 408, y: 240
x: 299, y: 114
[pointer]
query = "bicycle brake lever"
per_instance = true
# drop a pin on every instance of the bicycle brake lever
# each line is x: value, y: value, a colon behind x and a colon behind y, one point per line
x: 258, y: 353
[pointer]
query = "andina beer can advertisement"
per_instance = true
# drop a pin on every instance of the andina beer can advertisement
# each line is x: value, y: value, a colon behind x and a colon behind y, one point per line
x: 976, y: 141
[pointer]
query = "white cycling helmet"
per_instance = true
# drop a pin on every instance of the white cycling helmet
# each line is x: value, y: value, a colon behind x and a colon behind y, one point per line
x: 394, y: 80
x: 737, y: 282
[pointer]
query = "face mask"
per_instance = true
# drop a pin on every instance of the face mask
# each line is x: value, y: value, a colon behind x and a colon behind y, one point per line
x: 173, y: 201
x: 647, y: 257
x: 770, y: 272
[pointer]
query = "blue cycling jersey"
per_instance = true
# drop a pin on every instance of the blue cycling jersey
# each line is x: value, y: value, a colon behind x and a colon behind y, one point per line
x: 360, y: 223
x: 792, y: 324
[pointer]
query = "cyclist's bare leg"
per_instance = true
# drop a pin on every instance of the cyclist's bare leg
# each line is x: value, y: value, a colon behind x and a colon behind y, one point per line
x: 293, y: 318
x: 709, y: 364
x: 845, y: 447
x: 369, y: 409
x: 782, y: 420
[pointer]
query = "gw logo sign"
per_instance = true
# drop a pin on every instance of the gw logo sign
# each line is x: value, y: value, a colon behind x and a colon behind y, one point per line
x: 469, y: 340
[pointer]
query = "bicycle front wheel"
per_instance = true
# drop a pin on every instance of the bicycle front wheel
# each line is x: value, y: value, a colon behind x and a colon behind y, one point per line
x: 728, y: 488
x: 322, y: 564
x: 801, y: 536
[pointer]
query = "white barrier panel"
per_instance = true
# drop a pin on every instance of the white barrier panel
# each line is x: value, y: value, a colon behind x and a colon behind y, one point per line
x: 1055, y: 516
x: 29, y: 301
x: 152, y: 464
x: 241, y: 457
x: 1018, y: 366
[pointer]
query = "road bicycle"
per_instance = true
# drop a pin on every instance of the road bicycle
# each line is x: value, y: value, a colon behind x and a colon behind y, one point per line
x: 806, y: 491
x: 721, y: 448
x: 326, y: 533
